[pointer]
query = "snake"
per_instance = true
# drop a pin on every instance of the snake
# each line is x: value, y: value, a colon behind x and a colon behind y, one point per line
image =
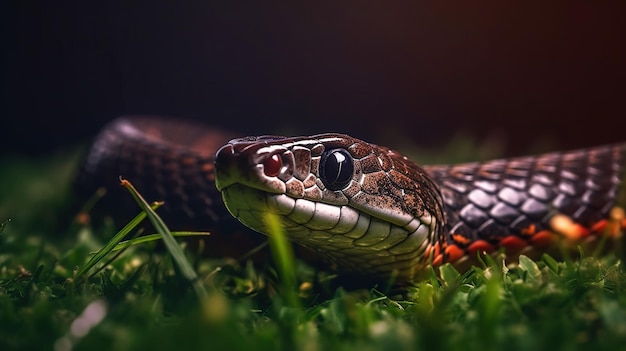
x: 366, y: 209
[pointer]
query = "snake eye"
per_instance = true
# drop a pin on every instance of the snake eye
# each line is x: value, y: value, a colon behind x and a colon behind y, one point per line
x: 272, y: 166
x: 336, y: 169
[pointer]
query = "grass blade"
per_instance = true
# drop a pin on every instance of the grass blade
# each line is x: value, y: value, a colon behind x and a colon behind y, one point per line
x: 153, y: 237
x: 4, y: 224
x: 282, y: 252
x: 106, y: 249
x: 170, y: 243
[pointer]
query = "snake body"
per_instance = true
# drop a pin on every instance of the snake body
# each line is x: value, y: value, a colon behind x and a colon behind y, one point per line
x: 366, y: 208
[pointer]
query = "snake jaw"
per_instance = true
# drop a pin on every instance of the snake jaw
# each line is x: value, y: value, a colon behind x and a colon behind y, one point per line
x: 357, y: 243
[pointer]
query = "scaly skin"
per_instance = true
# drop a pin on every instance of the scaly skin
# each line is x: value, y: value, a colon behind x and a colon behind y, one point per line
x: 390, y: 220
x: 512, y: 203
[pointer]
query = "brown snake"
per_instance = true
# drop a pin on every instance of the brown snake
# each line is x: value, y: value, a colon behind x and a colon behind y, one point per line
x: 367, y: 209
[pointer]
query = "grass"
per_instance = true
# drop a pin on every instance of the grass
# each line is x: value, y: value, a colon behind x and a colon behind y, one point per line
x: 68, y: 286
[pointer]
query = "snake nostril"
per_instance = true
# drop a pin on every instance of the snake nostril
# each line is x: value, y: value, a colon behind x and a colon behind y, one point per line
x: 224, y: 154
x: 223, y: 170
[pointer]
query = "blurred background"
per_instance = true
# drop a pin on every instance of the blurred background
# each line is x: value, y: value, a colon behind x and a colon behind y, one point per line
x: 533, y: 72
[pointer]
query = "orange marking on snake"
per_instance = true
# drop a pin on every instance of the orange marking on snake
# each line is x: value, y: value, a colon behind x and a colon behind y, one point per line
x: 438, y: 260
x: 461, y: 239
x: 480, y: 246
x: 513, y: 243
x: 599, y: 226
x: 454, y: 252
x: 582, y: 231
x: 529, y: 231
x: 437, y: 255
x: 611, y: 228
x: 543, y: 238
x: 436, y: 250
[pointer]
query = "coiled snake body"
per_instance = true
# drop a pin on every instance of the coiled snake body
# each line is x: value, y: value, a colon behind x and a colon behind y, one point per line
x: 366, y: 208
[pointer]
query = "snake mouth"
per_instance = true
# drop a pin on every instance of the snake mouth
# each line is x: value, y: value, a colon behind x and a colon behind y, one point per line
x: 353, y: 240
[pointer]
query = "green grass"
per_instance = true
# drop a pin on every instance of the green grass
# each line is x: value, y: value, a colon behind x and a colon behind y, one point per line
x: 58, y: 290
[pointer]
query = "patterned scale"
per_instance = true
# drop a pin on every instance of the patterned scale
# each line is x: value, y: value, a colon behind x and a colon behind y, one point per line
x: 510, y: 202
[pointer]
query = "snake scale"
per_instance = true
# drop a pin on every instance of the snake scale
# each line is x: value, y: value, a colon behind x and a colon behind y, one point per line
x: 367, y: 209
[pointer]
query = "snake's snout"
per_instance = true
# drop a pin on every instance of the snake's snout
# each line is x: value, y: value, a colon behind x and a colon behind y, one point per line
x: 224, y: 167
x: 252, y: 164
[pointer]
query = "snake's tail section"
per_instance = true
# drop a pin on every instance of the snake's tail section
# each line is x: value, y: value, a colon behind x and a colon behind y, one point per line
x: 526, y: 202
x: 158, y: 160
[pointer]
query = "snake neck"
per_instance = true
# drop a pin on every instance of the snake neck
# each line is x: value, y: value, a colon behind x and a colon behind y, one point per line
x: 511, y: 203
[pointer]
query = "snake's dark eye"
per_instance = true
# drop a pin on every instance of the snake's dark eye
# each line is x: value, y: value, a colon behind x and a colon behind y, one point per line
x: 336, y: 168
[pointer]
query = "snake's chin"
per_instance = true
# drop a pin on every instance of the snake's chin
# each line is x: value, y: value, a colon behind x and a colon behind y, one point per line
x: 248, y: 205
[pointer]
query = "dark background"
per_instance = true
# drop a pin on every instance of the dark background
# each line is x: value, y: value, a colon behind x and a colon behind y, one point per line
x: 525, y: 72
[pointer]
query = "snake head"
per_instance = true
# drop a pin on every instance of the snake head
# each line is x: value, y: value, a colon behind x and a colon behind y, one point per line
x: 365, y: 207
